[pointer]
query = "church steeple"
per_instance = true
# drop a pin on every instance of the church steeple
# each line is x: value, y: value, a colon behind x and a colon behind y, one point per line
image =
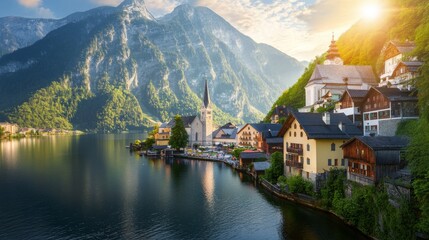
x: 206, y: 98
x: 333, y: 56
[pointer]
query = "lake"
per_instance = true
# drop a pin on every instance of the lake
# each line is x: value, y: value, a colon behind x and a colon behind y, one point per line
x: 92, y: 187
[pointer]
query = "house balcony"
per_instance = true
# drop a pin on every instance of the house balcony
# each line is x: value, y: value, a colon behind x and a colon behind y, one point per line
x: 298, y: 151
x: 295, y: 164
x: 246, y: 134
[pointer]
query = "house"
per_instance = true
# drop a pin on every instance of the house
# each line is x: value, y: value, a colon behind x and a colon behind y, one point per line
x: 9, y: 128
x: 225, y: 135
x: 399, y: 66
x: 370, y: 159
x: 312, y: 143
x: 269, y: 142
x: 335, y: 78
x: 280, y: 113
x: 193, y: 127
x: 247, y: 157
x: 383, y: 108
x: 248, y: 134
x: 350, y: 104
x: 162, y: 137
x: 259, y: 168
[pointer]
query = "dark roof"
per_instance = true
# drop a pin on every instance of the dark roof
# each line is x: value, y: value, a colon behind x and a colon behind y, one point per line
x: 282, y: 111
x: 253, y: 155
x: 412, y: 66
x: 381, y: 142
x: 315, y: 128
x: 187, y: 120
x: 206, y: 98
x: 263, y: 127
x: 261, y: 166
x: 404, y: 47
x: 228, y: 125
x: 228, y: 133
x: 274, y: 140
x: 354, y: 93
x: 395, y: 94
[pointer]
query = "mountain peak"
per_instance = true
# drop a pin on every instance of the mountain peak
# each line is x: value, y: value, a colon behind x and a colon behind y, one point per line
x: 136, y: 6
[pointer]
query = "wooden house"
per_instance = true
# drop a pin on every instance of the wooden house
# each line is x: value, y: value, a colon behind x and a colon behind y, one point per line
x: 259, y: 168
x: 370, y: 159
x: 383, y: 108
x: 248, y: 157
x: 280, y: 113
x: 350, y: 104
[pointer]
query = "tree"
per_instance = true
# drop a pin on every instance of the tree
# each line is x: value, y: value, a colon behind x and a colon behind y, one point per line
x: 179, y: 136
x: 276, y: 168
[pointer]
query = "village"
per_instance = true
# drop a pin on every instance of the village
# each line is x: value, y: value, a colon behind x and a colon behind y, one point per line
x: 348, y: 123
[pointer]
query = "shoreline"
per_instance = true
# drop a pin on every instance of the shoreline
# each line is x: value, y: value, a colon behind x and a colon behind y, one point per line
x: 272, y: 189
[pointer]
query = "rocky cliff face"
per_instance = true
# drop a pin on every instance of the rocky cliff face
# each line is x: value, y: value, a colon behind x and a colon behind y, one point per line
x: 162, y: 62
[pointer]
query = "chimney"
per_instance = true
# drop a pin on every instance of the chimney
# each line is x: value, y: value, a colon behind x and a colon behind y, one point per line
x: 326, y: 118
x: 341, y: 126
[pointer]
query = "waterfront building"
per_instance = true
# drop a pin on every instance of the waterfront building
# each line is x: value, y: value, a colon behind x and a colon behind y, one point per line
x: 384, y: 108
x: 225, y: 135
x: 9, y: 128
x: 312, y: 143
x: 269, y: 142
x: 334, y: 78
x: 247, y: 136
x: 247, y: 157
x: 399, y: 66
x: 370, y: 159
x: 350, y: 104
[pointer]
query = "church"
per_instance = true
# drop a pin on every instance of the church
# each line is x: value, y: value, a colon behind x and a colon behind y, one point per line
x: 333, y: 78
x: 199, y: 129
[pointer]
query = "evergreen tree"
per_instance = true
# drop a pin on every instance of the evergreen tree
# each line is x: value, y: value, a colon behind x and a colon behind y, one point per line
x: 179, y: 136
x: 276, y: 168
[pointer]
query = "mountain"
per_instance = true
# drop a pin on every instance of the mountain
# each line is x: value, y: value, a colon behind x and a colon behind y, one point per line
x: 158, y: 64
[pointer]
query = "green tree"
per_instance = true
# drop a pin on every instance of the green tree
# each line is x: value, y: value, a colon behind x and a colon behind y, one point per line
x: 179, y: 136
x: 236, y: 152
x: 276, y: 168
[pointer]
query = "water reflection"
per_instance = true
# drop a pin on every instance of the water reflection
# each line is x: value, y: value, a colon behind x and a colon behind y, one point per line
x: 92, y: 187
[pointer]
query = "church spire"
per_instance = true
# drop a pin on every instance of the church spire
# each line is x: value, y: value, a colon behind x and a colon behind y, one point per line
x: 206, y: 98
x: 333, y: 49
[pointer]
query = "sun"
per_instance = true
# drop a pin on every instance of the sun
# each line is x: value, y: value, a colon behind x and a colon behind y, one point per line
x: 370, y: 11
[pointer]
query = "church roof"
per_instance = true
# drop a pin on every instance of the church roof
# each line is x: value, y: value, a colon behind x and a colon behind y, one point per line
x: 206, y: 98
x: 333, y: 50
x: 339, y: 74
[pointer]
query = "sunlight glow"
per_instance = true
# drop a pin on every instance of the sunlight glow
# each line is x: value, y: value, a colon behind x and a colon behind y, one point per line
x: 370, y: 11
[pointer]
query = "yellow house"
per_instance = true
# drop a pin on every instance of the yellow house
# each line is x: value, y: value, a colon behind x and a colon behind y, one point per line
x: 9, y: 128
x: 312, y: 143
x: 162, y: 137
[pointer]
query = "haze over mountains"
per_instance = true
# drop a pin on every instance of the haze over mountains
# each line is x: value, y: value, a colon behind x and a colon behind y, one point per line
x: 110, y: 57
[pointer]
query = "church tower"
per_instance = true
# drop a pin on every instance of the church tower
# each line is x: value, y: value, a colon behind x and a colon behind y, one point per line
x: 207, y: 118
x: 333, y: 56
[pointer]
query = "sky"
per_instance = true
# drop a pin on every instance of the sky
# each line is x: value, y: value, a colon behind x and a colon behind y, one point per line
x: 300, y: 28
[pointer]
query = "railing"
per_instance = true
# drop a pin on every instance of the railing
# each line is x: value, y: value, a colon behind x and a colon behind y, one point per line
x: 298, y: 151
x: 294, y: 164
x: 363, y: 172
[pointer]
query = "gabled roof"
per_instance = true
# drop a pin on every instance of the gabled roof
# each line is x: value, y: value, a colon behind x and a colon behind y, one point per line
x: 228, y: 125
x: 252, y: 155
x: 263, y: 127
x: 356, y: 95
x: 395, y: 94
x: 315, y: 128
x: 187, y: 120
x: 411, y: 66
x: 381, y: 142
x: 261, y: 166
x: 340, y: 74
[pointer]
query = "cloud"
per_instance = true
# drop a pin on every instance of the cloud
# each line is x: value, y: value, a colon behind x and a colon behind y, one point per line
x: 295, y: 27
x: 30, y: 3
x: 45, y: 12
x: 107, y: 2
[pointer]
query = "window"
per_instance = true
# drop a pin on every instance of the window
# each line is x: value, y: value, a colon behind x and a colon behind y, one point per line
x: 333, y: 147
x: 308, y: 175
x: 196, y: 136
x: 287, y: 144
x: 290, y: 134
x: 294, y: 126
x: 308, y: 147
x: 302, y: 134
x: 329, y: 162
x: 308, y: 161
x: 294, y: 134
x: 342, y: 162
x: 336, y: 162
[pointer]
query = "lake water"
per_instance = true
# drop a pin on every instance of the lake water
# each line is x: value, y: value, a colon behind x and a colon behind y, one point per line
x: 92, y: 187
